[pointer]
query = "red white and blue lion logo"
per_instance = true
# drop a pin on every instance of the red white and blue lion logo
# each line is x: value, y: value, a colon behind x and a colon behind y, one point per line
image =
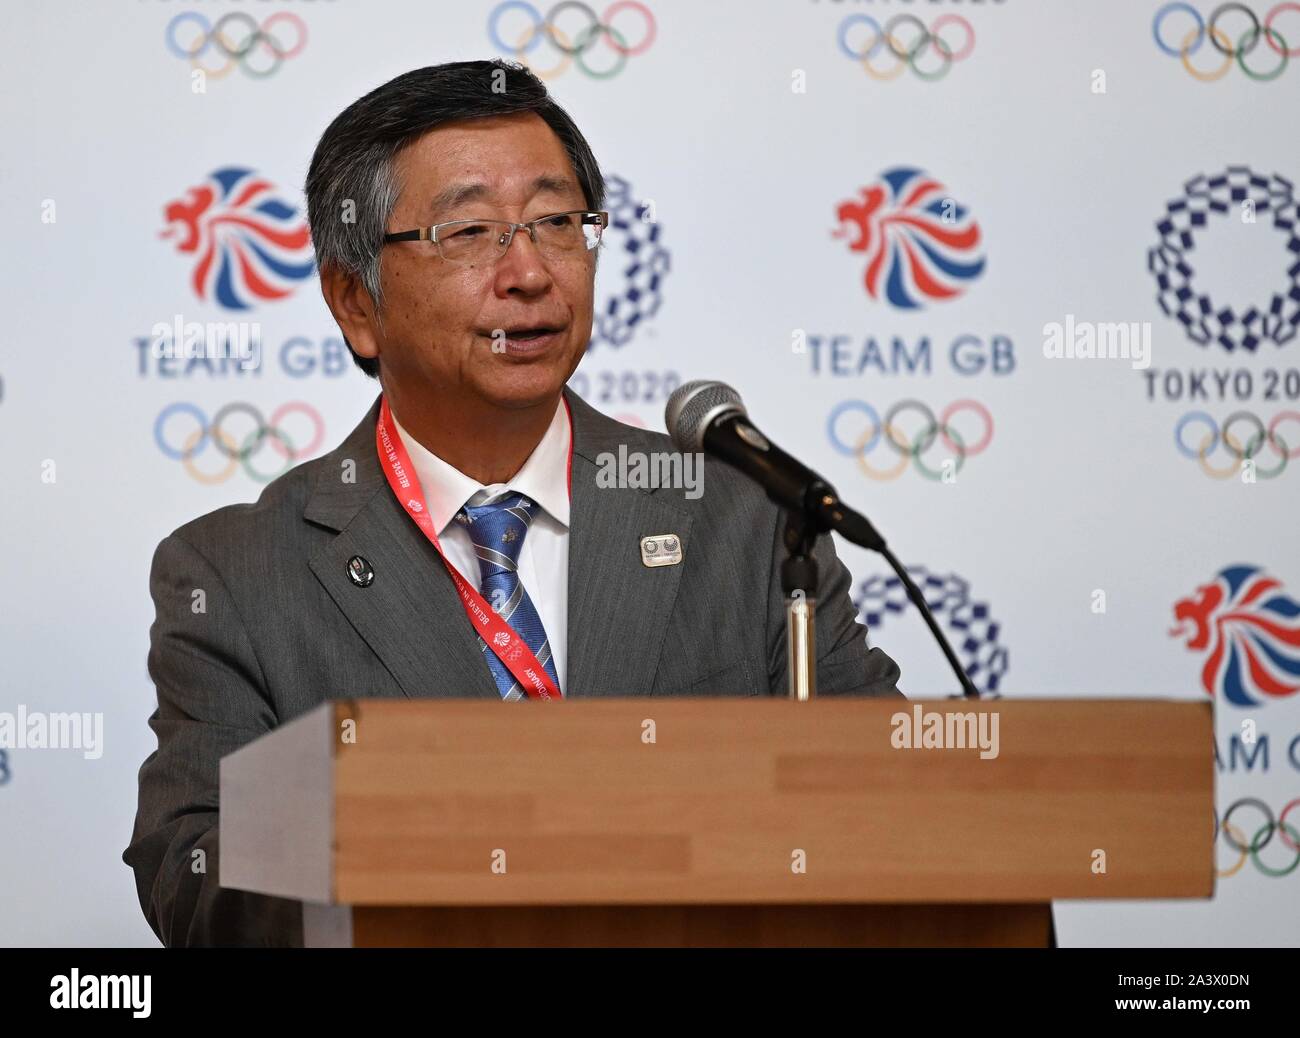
x: 1251, y: 629
x: 250, y: 245
x: 919, y: 243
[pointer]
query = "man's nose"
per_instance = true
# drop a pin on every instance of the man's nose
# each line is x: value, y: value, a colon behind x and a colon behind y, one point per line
x: 522, y: 268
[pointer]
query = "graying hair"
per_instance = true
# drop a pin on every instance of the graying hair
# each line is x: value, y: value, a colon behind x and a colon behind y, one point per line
x: 351, y: 183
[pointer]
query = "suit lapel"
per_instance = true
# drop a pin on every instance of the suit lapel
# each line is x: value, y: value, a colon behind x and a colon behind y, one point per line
x: 618, y: 607
x: 410, y: 615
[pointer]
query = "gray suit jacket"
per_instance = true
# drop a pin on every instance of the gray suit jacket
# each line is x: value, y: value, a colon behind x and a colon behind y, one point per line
x: 283, y: 628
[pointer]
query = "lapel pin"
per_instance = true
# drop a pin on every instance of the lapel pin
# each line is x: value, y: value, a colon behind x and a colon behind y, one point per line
x: 361, y: 572
x: 661, y: 549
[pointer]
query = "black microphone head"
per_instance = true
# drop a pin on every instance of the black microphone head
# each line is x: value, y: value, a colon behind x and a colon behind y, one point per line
x: 694, y: 406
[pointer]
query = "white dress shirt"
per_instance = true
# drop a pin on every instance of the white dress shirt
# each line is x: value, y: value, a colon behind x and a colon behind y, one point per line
x: 544, y: 557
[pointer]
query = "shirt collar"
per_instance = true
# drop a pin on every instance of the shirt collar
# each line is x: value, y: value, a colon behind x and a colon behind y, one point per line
x: 544, y: 477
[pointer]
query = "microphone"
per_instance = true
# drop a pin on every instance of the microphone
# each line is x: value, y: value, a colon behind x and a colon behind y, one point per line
x: 709, y: 416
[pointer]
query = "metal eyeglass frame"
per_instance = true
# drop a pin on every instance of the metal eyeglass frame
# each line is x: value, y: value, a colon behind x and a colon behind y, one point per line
x: 600, y: 219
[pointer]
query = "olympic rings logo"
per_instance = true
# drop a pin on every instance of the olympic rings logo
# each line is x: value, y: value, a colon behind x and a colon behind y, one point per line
x: 1232, y: 50
x: 908, y: 48
x: 236, y: 450
x: 238, y: 48
x: 1249, y: 846
x: 1259, y: 436
x: 911, y: 446
x: 572, y: 49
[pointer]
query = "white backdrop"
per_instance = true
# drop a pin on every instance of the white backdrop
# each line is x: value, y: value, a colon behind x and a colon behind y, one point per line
x: 1055, y: 147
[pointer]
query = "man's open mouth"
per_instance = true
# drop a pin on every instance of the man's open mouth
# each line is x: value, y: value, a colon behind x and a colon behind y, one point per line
x: 524, y: 340
x: 524, y: 334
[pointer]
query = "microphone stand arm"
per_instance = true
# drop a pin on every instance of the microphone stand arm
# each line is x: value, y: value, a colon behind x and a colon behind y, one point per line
x: 799, y: 582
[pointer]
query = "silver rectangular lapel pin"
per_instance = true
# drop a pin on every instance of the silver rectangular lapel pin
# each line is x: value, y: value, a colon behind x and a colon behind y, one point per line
x: 661, y: 549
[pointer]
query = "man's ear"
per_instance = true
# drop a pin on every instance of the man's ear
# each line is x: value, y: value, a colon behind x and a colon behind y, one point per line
x: 352, y: 308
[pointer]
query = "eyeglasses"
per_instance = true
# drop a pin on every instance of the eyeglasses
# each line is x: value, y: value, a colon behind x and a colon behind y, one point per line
x: 559, y: 236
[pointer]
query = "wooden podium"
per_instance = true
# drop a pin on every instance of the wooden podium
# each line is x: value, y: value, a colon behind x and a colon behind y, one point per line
x: 717, y: 822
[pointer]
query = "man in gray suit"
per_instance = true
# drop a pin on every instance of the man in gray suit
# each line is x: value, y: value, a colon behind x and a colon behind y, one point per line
x: 455, y: 213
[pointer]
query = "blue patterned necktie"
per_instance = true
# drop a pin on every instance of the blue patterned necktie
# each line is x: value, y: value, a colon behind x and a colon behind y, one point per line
x: 498, y: 532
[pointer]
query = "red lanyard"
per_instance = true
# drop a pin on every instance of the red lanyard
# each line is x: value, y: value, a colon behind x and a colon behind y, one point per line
x: 499, y: 636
